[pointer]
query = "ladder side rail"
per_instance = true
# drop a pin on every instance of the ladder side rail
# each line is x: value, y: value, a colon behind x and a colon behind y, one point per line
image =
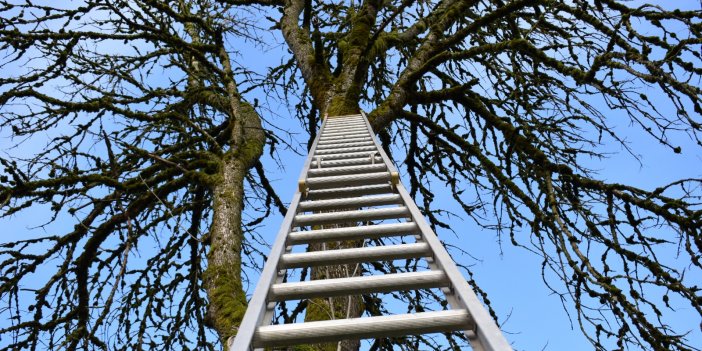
x: 488, y: 333
x: 253, y: 317
x: 257, y: 306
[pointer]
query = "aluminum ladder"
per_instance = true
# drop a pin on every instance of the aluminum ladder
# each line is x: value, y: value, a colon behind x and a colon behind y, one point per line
x: 345, y: 179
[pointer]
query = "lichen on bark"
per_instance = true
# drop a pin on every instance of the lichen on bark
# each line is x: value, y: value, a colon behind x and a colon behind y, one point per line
x: 227, y: 299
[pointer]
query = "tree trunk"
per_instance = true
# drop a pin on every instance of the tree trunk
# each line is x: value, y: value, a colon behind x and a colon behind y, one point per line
x: 222, y: 277
x: 227, y: 299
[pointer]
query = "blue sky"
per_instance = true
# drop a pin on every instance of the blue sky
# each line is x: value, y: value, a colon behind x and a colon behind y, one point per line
x: 510, y: 275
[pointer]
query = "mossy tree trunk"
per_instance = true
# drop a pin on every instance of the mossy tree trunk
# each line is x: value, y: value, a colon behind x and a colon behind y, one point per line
x: 245, y: 141
x: 222, y: 278
x: 338, y: 92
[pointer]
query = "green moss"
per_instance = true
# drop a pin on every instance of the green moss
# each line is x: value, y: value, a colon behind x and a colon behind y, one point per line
x: 230, y: 298
x: 341, y: 105
x: 252, y: 147
x: 209, y: 170
x: 304, y: 348
x: 381, y: 45
x: 250, y: 151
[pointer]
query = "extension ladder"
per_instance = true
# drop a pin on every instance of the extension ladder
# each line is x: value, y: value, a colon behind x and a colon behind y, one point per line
x: 348, y: 178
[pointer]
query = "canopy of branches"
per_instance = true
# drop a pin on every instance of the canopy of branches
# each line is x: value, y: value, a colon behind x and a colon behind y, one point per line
x: 159, y: 134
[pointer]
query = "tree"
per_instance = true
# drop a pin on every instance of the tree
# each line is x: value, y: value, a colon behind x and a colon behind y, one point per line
x: 144, y: 154
x: 498, y: 101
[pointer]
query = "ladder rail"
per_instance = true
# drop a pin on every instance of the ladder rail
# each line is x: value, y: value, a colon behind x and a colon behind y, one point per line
x: 483, y: 333
x: 254, y: 317
x: 488, y: 334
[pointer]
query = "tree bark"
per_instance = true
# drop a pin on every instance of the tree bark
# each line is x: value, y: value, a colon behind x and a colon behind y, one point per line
x: 222, y: 278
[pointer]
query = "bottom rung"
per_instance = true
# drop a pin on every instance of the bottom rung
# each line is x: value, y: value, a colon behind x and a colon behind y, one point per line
x: 362, y: 328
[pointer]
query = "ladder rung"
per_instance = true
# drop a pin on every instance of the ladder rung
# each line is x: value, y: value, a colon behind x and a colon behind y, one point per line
x: 328, y: 171
x: 344, y: 144
x: 347, y: 155
x: 344, y: 130
x: 343, y: 150
x: 353, y: 233
x: 346, y: 127
x: 349, y: 191
x: 338, y: 140
x: 343, y: 135
x: 343, y: 117
x: 349, y: 202
x: 347, y: 140
x: 362, y: 134
x: 346, y: 123
x: 358, y: 285
x: 354, y: 255
x: 362, y: 328
x: 352, y: 216
x: 352, y: 138
x: 347, y: 180
x: 345, y: 120
x: 345, y: 162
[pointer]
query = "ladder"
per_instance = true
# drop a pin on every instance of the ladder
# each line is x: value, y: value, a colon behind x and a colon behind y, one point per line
x: 348, y: 178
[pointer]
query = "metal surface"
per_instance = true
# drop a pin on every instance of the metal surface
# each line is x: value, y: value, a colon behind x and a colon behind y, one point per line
x: 349, y: 191
x: 365, y: 154
x: 353, y: 233
x: 357, y: 122
x: 345, y: 144
x: 345, y: 133
x: 345, y: 150
x: 349, y: 175
x: 347, y: 180
x: 342, y: 137
x: 358, y: 285
x: 355, y: 255
x: 321, y: 162
x: 361, y: 328
x: 351, y: 216
x: 350, y: 202
x: 355, y: 126
x: 369, y: 168
x: 346, y: 140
